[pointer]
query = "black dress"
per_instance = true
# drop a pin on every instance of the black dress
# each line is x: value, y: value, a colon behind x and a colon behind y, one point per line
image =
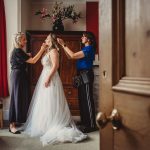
x: 19, y: 94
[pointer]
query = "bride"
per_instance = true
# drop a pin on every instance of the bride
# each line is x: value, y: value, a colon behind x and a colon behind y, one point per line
x: 49, y: 116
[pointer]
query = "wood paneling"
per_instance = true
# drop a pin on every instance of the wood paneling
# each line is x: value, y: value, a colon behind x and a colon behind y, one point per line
x: 67, y: 68
x: 131, y: 95
x: 106, y: 97
x: 137, y: 38
x: 125, y: 73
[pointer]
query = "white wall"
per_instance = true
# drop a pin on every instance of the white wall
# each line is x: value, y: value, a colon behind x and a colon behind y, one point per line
x: 37, y: 24
x: 12, y: 26
x: 25, y: 15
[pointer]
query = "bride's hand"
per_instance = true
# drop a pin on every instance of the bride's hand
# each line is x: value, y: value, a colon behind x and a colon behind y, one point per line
x: 47, y: 83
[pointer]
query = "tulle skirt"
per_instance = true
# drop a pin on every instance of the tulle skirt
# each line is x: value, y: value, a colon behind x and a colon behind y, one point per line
x: 49, y: 115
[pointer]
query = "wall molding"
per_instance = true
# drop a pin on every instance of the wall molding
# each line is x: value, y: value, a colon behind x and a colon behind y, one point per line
x: 135, y: 85
x: 5, y: 114
x: 53, y: 2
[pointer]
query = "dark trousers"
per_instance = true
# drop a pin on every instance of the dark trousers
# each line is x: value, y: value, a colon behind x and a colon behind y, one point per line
x: 19, y: 96
x: 86, y: 102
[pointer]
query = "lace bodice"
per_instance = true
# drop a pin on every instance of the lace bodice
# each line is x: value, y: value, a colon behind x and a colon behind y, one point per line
x: 46, y: 62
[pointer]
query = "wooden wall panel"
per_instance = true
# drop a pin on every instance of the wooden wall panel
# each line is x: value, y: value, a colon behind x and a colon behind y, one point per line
x: 67, y: 68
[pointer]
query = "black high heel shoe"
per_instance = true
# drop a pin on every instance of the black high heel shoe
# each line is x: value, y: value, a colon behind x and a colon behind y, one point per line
x: 17, y: 132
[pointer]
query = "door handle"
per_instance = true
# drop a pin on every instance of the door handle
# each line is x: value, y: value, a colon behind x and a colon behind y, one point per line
x: 114, y: 118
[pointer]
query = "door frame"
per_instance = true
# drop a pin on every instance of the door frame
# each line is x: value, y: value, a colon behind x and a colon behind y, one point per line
x: 112, y: 66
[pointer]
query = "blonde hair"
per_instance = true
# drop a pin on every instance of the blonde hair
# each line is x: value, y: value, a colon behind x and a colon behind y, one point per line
x: 17, y: 39
x: 54, y: 41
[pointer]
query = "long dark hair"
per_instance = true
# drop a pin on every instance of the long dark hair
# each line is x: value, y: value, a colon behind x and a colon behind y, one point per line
x: 91, y: 37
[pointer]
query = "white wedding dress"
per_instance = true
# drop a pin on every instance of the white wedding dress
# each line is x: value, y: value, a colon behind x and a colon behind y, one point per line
x: 49, y: 116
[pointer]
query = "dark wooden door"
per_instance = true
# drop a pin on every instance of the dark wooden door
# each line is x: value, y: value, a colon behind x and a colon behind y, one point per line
x: 125, y: 72
x: 67, y: 68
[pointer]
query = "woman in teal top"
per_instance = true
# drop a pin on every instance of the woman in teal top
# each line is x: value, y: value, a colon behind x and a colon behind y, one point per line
x: 85, y: 58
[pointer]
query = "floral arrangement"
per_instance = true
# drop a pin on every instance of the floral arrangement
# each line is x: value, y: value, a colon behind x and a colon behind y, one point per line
x: 60, y: 12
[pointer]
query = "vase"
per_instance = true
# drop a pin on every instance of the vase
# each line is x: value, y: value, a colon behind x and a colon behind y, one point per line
x: 58, y: 26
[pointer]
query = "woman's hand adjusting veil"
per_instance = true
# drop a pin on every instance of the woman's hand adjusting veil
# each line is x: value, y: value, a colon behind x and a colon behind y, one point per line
x: 61, y: 41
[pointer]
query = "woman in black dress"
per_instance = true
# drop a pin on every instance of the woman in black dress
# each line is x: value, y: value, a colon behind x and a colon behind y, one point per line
x: 19, y: 100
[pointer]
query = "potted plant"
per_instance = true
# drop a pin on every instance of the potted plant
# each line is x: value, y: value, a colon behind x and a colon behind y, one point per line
x: 58, y: 14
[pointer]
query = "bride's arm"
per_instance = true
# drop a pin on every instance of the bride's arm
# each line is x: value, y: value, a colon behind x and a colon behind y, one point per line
x: 55, y: 64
